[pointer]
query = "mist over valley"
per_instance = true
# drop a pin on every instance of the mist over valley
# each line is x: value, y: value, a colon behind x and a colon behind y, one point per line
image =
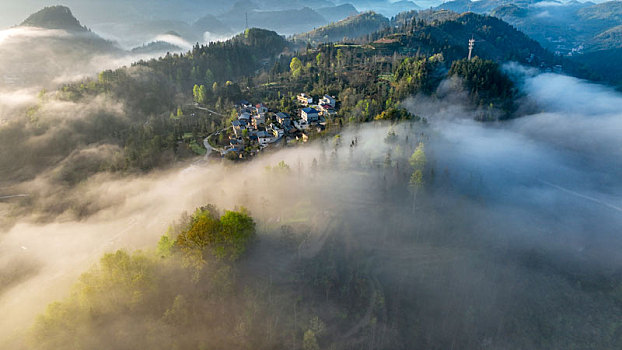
x: 359, y: 181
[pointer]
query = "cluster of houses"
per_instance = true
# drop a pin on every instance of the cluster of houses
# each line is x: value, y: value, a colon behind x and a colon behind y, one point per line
x: 257, y: 125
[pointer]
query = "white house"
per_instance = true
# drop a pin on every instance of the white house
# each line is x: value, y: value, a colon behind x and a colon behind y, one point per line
x: 305, y: 99
x: 328, y: 100
x: 245, y: 116
x: 309, y: 114
x: 301, y: 125
x: 263, y: 137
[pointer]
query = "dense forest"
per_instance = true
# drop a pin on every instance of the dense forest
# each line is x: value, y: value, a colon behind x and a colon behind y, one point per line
x: 345, y: 30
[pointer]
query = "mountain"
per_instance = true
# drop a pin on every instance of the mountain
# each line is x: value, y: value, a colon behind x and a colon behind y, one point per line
x: 450, y: 33
x: 349, y: 28
x: 54, y: 17
x: 509, y: 10
x: 337, y: 13
x: 572, y: 29
x: 386, y: 7
x: 605, y: 65
x: 610, y: 11
x: 211, y: 24
x: 482, y: 6
x: 288, y: 21
x: 156, y: 47
x: 428, y: 16
x: 49, y: 47
x: 607, y: 40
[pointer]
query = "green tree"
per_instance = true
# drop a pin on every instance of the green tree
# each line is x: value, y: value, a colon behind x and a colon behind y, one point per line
x: 209, y: 77
x: 340, y: 57
x: 418, y: 159
x: 202, y: 94
x: 224, y: 237
x: 295, y: 67
x: 195, y: 93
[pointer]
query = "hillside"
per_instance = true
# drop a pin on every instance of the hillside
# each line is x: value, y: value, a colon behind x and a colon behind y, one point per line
x: 50, y: 46
x: 156, y: 47
x: 610, y: 11
x: 605, y: 64
x: 509, y: 10
x: 609, y: 39
x: 349, y: 28
x: 337, y: 13
x: 212, y: 24
x: 286, y: 21
x: 54, y: 17
x: 495, y: 39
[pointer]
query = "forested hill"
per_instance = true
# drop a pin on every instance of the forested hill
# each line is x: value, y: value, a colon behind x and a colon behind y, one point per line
x: 240, y: 56
x: 350, y: 28
x: 495, y: 39
x: 55, y: 17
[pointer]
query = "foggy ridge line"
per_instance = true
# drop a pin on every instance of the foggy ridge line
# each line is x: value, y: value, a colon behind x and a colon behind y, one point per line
x: 574, y: 193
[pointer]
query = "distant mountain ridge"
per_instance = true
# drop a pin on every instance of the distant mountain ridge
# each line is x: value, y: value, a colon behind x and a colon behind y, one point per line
x: 349, y: 28
x: 55, y: 17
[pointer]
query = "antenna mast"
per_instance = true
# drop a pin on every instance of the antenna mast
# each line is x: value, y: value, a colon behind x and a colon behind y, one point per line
x: 246, y: 20
x: 471, y: 46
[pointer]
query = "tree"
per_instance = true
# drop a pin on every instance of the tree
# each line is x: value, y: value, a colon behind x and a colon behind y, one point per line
x: 318, y: 59
x: 309, y: 341
x: 202, y: 94
x: 340, y: 57
x: 296, y: 67
x: 195, y: 93
x: 418, y: 159
x: 224, y: 237
x: 209, y: 77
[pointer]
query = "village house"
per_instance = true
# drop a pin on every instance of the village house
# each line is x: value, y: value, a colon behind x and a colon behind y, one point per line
x: 328, y: 100
x: 261, y: 108
x: 283, y: 119
x: 301, y: 125
x: 278, y: 133
x: 245, y: 117
x: 258, y: 120
x: 244, y: 104
x: 263, y: 137
x: 327, y: 110
x: 305, y: 99
x: 309, y: 115
x: 238, y: 127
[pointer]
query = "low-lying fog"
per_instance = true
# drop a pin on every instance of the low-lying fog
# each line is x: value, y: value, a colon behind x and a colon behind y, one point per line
x: 548, y: 182
x: 35, y: 58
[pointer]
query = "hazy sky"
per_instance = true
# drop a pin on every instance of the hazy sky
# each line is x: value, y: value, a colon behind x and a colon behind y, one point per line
x: 12, y: 12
